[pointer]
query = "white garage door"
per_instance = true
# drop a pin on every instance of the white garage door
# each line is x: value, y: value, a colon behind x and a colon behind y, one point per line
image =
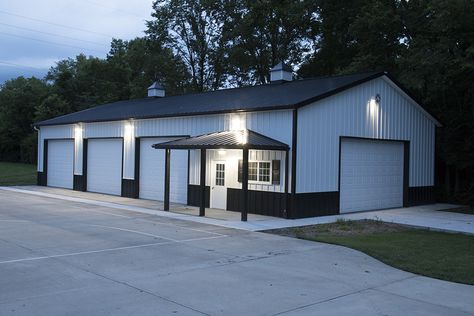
x: 152, y: 172
x: 104, y: 166
x: 371, y: 175
x: 60, y: 163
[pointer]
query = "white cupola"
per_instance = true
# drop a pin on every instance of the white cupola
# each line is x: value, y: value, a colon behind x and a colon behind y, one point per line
x: 280, y: 73
x: 156, y: 90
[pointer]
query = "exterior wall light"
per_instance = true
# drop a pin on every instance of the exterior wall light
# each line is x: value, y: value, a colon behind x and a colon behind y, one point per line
x: 373, y: 107
x: 377, y: 99
x: 237, y: 122
x: 78, y: 131
x: 128, y: 130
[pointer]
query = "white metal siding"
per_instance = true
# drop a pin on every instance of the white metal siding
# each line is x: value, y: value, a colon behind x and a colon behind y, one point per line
x: 104, y: 166
x: 152, y: 172
x: 275, y: 124
x: 231, y: 158
x: 347, y: 114
x: 60, y: 163
x: 371, y: 175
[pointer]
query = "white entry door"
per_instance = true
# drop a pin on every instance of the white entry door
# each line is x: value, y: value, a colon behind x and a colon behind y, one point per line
x: 60, y: 163
x: 371, y: 175
x: 152, y: 172
x: 218, y: 185
x: 104, y: 166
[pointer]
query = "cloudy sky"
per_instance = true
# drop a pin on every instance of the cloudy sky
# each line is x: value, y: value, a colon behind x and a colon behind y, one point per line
x: 36, y: 34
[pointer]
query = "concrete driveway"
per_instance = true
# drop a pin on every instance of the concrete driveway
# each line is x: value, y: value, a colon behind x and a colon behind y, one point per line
x: 62, y: 257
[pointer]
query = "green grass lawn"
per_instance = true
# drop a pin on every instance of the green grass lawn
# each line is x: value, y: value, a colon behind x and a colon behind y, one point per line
x: 435, y: 254
x: 17, y: 173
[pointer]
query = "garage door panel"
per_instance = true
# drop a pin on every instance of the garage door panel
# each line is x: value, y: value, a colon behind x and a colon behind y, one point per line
x: 371, y: 175
x: 104, y: 166
x: 60, y: 166
x: 152, y: 172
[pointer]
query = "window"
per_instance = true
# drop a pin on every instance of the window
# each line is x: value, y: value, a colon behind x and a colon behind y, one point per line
x: 264, y: 171
x: 253, y: 171
x: 220, y: 174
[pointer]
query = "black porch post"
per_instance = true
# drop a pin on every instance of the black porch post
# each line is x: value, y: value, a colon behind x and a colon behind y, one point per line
x: 245, y: 183
x: 202, y: 207
x: 287, y: 199
x: 167, y: 179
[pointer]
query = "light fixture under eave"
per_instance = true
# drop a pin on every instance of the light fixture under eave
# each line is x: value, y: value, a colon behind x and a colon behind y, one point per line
x: 237, y: 122
x: 78, y: 131
x: 221, y: 152
x: 128, y: 129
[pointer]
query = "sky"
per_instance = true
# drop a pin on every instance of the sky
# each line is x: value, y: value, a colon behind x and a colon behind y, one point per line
x: 35, y: 34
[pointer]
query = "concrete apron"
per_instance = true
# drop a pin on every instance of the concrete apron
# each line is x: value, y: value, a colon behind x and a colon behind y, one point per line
x: 426, y: 216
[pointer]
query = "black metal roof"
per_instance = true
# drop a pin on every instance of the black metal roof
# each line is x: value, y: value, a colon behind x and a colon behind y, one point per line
x: 262, y: 97
x: 226, y: 140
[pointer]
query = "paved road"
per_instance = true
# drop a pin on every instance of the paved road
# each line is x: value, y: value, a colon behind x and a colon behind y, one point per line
x: 61, y: 257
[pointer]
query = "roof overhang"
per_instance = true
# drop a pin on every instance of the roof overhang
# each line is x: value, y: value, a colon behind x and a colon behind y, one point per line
x: 239, y: 139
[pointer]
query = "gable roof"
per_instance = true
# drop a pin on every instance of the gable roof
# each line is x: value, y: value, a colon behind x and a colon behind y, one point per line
x: 275, y: 96
x: 226, y: 139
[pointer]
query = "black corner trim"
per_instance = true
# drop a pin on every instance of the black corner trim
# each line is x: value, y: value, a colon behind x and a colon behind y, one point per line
x: 80, y: 183
x: 291, y: 210
x: 44, y: 180
x: 41, y: 178
x: 129, y: 188
x: 421, y: 195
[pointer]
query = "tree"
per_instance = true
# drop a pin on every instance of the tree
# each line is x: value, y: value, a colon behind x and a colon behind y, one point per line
x: 18, y: 99
x: 139, y: 62
x: 51, y: 106
x: 333, y: 43
x: 439, y: 66
x: 264, y: 32
x: 193, y: 30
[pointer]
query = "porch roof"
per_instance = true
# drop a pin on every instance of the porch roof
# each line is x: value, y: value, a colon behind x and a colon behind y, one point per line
x: 239, y: 139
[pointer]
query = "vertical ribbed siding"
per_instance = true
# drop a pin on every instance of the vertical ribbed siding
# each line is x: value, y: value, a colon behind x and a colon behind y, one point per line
x: 346, y: 114
x: 275, y: 124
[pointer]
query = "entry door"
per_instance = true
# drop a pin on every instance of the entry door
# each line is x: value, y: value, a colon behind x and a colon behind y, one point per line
x: 218, y: 185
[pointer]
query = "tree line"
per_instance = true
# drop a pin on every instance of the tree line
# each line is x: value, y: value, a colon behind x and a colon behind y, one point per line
x: 201, y: 45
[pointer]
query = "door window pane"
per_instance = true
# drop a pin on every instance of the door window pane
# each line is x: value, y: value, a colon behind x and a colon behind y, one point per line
x: 220, y: 174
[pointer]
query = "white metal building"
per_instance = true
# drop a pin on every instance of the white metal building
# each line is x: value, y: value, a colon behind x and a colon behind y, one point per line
x: 321, y: 146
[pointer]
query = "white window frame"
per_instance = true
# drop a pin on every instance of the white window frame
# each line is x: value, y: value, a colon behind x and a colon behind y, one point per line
x: 269, y: 182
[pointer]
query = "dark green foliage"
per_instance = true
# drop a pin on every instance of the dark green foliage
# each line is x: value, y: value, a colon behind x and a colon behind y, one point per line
x: 18, y: 100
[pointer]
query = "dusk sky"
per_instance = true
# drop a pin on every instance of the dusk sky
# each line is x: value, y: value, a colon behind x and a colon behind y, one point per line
x: 36, y: 34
